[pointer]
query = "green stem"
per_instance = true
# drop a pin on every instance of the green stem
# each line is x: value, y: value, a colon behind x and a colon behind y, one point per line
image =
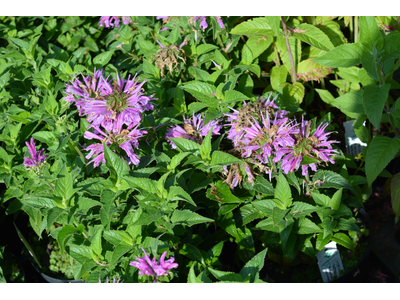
x: 355, y: 29
x: 289, y: 51
x: 276, y: 55
x: 220, y: 41
x: 351, y: 28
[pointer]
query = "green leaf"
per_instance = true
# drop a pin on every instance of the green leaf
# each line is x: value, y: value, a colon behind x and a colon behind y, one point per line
x: 274, y: 22
x: 374, y: 99
x: 102, y: 59
x: 192, y: 252
x: 253, y: 266
x: 19, y: 43
x: 293, y: 94
x: 221, y: 193
x: 263, y: 186
x: 308, y: 227
x: 256, y: 26
x: 265, y: 206
x: 142, y: 184
x: 351, y: 104
x: 66, y: 233
x: 344, y: 240
x: 96, y: 241
x: 178, y: 193
x: 257, y: 45
x: 188, y: 217
x: 325, y: 95
x: 148, y: 216
x: 278, y: 76
x: 328, y: 225
x: 64, y: 185
x: 226, y: 276
x: 380, y: 152
x: 202, y: 91
x: 329, y: 179
x: 232, y: 96
x: 117, y: 166
x: 321, y: 199
x: 247, y: 56
x: 222, y: 159
x: 186, y: 145
x: 313, y: 36
x: 345, y: 55
x: 336, y: 199
x: 53, y: 214
x: 282, y: 191
x: 205, y: 147
x: 369, y: 33
x: 4, y: 79
x: 295, y: 48
x: 391, y: 48
x: 192, y: 276
x: 204, y: 48
x: 300, y: 209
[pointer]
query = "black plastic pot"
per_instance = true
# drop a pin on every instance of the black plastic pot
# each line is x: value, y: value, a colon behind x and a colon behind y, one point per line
x: 35, y: 264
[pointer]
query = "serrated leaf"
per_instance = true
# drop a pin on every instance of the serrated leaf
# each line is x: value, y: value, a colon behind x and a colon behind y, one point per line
x: 66, y: 233
x: 336, y: 199
x: 330, y: 179
x: 380, y: 152
x: 226, y: 276
x: 248, y: 213
x: 278, y: 76
x: 204, y: 48
x: 186, y: 145
x: 313, y: 36
x: 300, y: 209
x: 192, y: 252
x: 103, y: 58
x: 308, y: 227
x: 253, y: 266
x: 374, y: 99
x: 345, y: 55
x: 274, y: 22
x: 220, y: 158
x: 282, y: 191
x: 95, y: 244
x: 391, y: 48
x: 328, y: 225
x: 263, y: 186
x: 117, y: 166
x: 221, y: 193
x: 369, y: 32
x: 258, y: 44
x: 256, y: 26
x: 344, y: 240
x: 351, y: 103
x: 178, y: 193
x: 188, y: 217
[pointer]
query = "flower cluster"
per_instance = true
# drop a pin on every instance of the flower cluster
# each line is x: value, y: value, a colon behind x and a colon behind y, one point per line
x: 204, y: 24
x: 153, y: 267
x: 113, y: 108
x: 37, y: 157
x: 193, y: 129
x: 111, y: 21
x: 266, y: 138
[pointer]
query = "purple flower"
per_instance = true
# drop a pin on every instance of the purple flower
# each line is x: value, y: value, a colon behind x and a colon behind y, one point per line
x: 203, y: 22
x: 153, y: 267
x: 108, y: 21
x: 105, y: 102
x: 193, y: 129
x: 314, y: 145
x: 36, y: 157
x: 114, y: 137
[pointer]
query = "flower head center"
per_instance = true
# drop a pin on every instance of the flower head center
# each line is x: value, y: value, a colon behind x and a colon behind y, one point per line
x: 117, y: 100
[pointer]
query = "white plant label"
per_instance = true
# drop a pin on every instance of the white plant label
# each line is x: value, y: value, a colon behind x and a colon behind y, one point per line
x: 354, y: 146
x: 329, y: 262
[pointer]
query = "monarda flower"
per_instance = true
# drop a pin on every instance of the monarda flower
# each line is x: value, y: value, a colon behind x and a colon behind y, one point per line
x: 123, y: 100
x: 244, y: 116
x: 153, y: 267
x: 84, y: 91
x: 108, y: 21
x: 37, y: 157
x: 123, y: 141
x: 193, y: 129
x: 315, y: 146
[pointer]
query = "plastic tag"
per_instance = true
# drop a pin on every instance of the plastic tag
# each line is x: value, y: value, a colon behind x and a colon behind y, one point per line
x: 329, y: 262
x: 354, y: 146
